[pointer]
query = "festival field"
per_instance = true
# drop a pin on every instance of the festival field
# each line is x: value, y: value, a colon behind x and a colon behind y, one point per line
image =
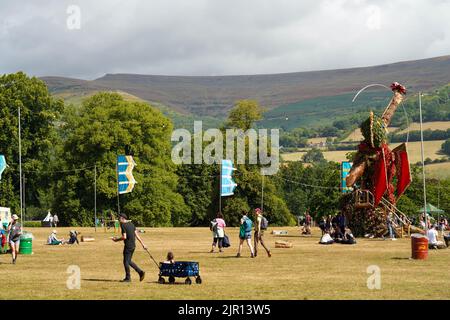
x: 432, y: 151
x: 306, y: 271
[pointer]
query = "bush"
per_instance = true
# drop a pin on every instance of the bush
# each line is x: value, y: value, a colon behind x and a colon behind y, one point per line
x: 32, y: 224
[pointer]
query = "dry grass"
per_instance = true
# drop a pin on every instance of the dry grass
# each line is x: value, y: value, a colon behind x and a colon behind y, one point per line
x: 438, y: 170
x: 432, y: 151
x: 434, y: 125
x: 307, y: 271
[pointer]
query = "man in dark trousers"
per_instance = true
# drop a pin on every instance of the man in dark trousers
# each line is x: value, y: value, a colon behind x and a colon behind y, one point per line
x: 129, y: 236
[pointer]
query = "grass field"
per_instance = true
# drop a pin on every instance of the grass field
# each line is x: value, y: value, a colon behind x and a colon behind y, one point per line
x: 438, y: 170
x: 432, y: 149
x: 356, y: 135
x: 435, y: 125
x: 306, y: 271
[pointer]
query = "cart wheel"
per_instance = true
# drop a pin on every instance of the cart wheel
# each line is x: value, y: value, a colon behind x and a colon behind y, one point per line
x: 161, y: 280
x: 198, y: 280
x: 171, y: 280
x: 188, y: 281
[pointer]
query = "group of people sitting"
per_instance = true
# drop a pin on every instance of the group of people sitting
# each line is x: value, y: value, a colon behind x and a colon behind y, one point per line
x: 54, y: 240
x: 433, y: 236
x: 334, y: 230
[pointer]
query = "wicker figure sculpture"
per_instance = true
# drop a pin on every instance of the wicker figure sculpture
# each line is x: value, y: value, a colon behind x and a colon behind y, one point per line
x: 373, y: 171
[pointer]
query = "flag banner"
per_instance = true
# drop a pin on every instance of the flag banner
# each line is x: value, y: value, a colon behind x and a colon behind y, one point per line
x: 2, y: 165
x: 402, y: 168
x: 345, y: 170
x: 125, y: 165
x: 227, y: 185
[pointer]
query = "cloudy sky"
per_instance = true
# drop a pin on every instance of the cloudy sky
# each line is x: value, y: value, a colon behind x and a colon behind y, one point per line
x: 86, y: 39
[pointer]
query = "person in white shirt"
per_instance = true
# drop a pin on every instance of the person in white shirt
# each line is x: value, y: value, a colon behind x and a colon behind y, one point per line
x: 433, y: 242
x: 326, y: 238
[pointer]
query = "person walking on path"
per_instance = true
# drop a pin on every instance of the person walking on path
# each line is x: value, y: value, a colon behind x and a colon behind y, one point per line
x: 14, y: 233
x: 245, y: 234
x: 260, y: 226
x: 129, y: 236
x: 218, y: 228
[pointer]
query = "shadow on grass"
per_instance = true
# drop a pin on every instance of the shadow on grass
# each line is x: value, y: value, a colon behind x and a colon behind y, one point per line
x: 290, y: 236
x: 401, y: 258
x: 206, y: 252
x: 100, y: 280
x: 172, y: 284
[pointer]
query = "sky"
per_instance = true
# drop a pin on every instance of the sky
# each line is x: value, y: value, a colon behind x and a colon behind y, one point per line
x: 87, y: 39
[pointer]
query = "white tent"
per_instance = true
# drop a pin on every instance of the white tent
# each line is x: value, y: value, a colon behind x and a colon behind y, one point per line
x: 48, y: 220
x: 5, y: 216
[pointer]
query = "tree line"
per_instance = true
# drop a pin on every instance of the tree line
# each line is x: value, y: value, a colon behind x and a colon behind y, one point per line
x: 66, y: 148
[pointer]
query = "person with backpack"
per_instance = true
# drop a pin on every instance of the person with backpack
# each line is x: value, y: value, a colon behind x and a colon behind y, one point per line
x: 218, y: 228
x: 245, y: 234
x: 261, y: 225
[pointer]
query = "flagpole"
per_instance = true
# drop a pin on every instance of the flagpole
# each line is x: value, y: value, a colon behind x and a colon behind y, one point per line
x: 95, y: 197
x: 20, y: 169
x: 117, y: 177
x: 262, y: 194
x: 220, y: 186
x: 423, y: 165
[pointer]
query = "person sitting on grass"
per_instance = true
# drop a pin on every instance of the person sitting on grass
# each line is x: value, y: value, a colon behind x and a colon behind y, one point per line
x: 348, y: 237
x: 73, y: 237
x: 433, y: 242
x: 53, y: 239
x: 337, y: 234
x: 170, y: 258
x: 326, y: 238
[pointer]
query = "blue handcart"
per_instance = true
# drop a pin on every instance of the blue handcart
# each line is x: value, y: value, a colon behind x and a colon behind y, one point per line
x: 179, y: 269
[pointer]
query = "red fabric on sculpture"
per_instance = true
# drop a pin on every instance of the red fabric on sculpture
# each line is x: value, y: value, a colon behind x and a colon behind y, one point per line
x: 379, y: 179
x: 403, y: 170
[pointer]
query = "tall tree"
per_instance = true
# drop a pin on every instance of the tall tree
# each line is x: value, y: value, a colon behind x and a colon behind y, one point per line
x: 105, y: 127
x: 244, y: 114
x: 39, y: 115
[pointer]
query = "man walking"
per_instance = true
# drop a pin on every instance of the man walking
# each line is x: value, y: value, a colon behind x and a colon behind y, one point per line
x: 260, y: 226
x: 129, y: 236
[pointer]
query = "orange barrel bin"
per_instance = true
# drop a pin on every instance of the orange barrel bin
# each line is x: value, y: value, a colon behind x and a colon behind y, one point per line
x: 419, y: 246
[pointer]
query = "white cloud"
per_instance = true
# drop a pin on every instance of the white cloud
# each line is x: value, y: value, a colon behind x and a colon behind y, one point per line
x: 210, y: 37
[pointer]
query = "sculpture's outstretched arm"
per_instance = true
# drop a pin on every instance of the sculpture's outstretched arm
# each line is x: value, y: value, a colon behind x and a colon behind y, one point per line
x: 399, y: 92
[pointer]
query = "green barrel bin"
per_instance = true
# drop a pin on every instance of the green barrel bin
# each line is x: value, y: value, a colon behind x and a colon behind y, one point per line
x: 26, y: 243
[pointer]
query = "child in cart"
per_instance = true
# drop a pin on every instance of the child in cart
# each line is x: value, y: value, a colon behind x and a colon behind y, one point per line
x: 170, y: 258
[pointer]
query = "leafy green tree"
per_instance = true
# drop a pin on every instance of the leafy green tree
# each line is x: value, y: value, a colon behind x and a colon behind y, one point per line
x: 196, y: 184
x: 446, y: 147
x: 314, y: 188
x: 104, y: 127
x: 313, y: 156
x: 39, y: 115
x: 244, y: 114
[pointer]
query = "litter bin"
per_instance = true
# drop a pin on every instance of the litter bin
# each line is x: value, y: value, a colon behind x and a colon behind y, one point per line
x: 26, y: 243
x: 419, y: 246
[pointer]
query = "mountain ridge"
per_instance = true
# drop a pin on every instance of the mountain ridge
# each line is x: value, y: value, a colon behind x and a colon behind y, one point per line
x: 215, y: 95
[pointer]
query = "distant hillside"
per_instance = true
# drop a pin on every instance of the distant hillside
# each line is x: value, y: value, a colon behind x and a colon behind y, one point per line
x: 215, y: 95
